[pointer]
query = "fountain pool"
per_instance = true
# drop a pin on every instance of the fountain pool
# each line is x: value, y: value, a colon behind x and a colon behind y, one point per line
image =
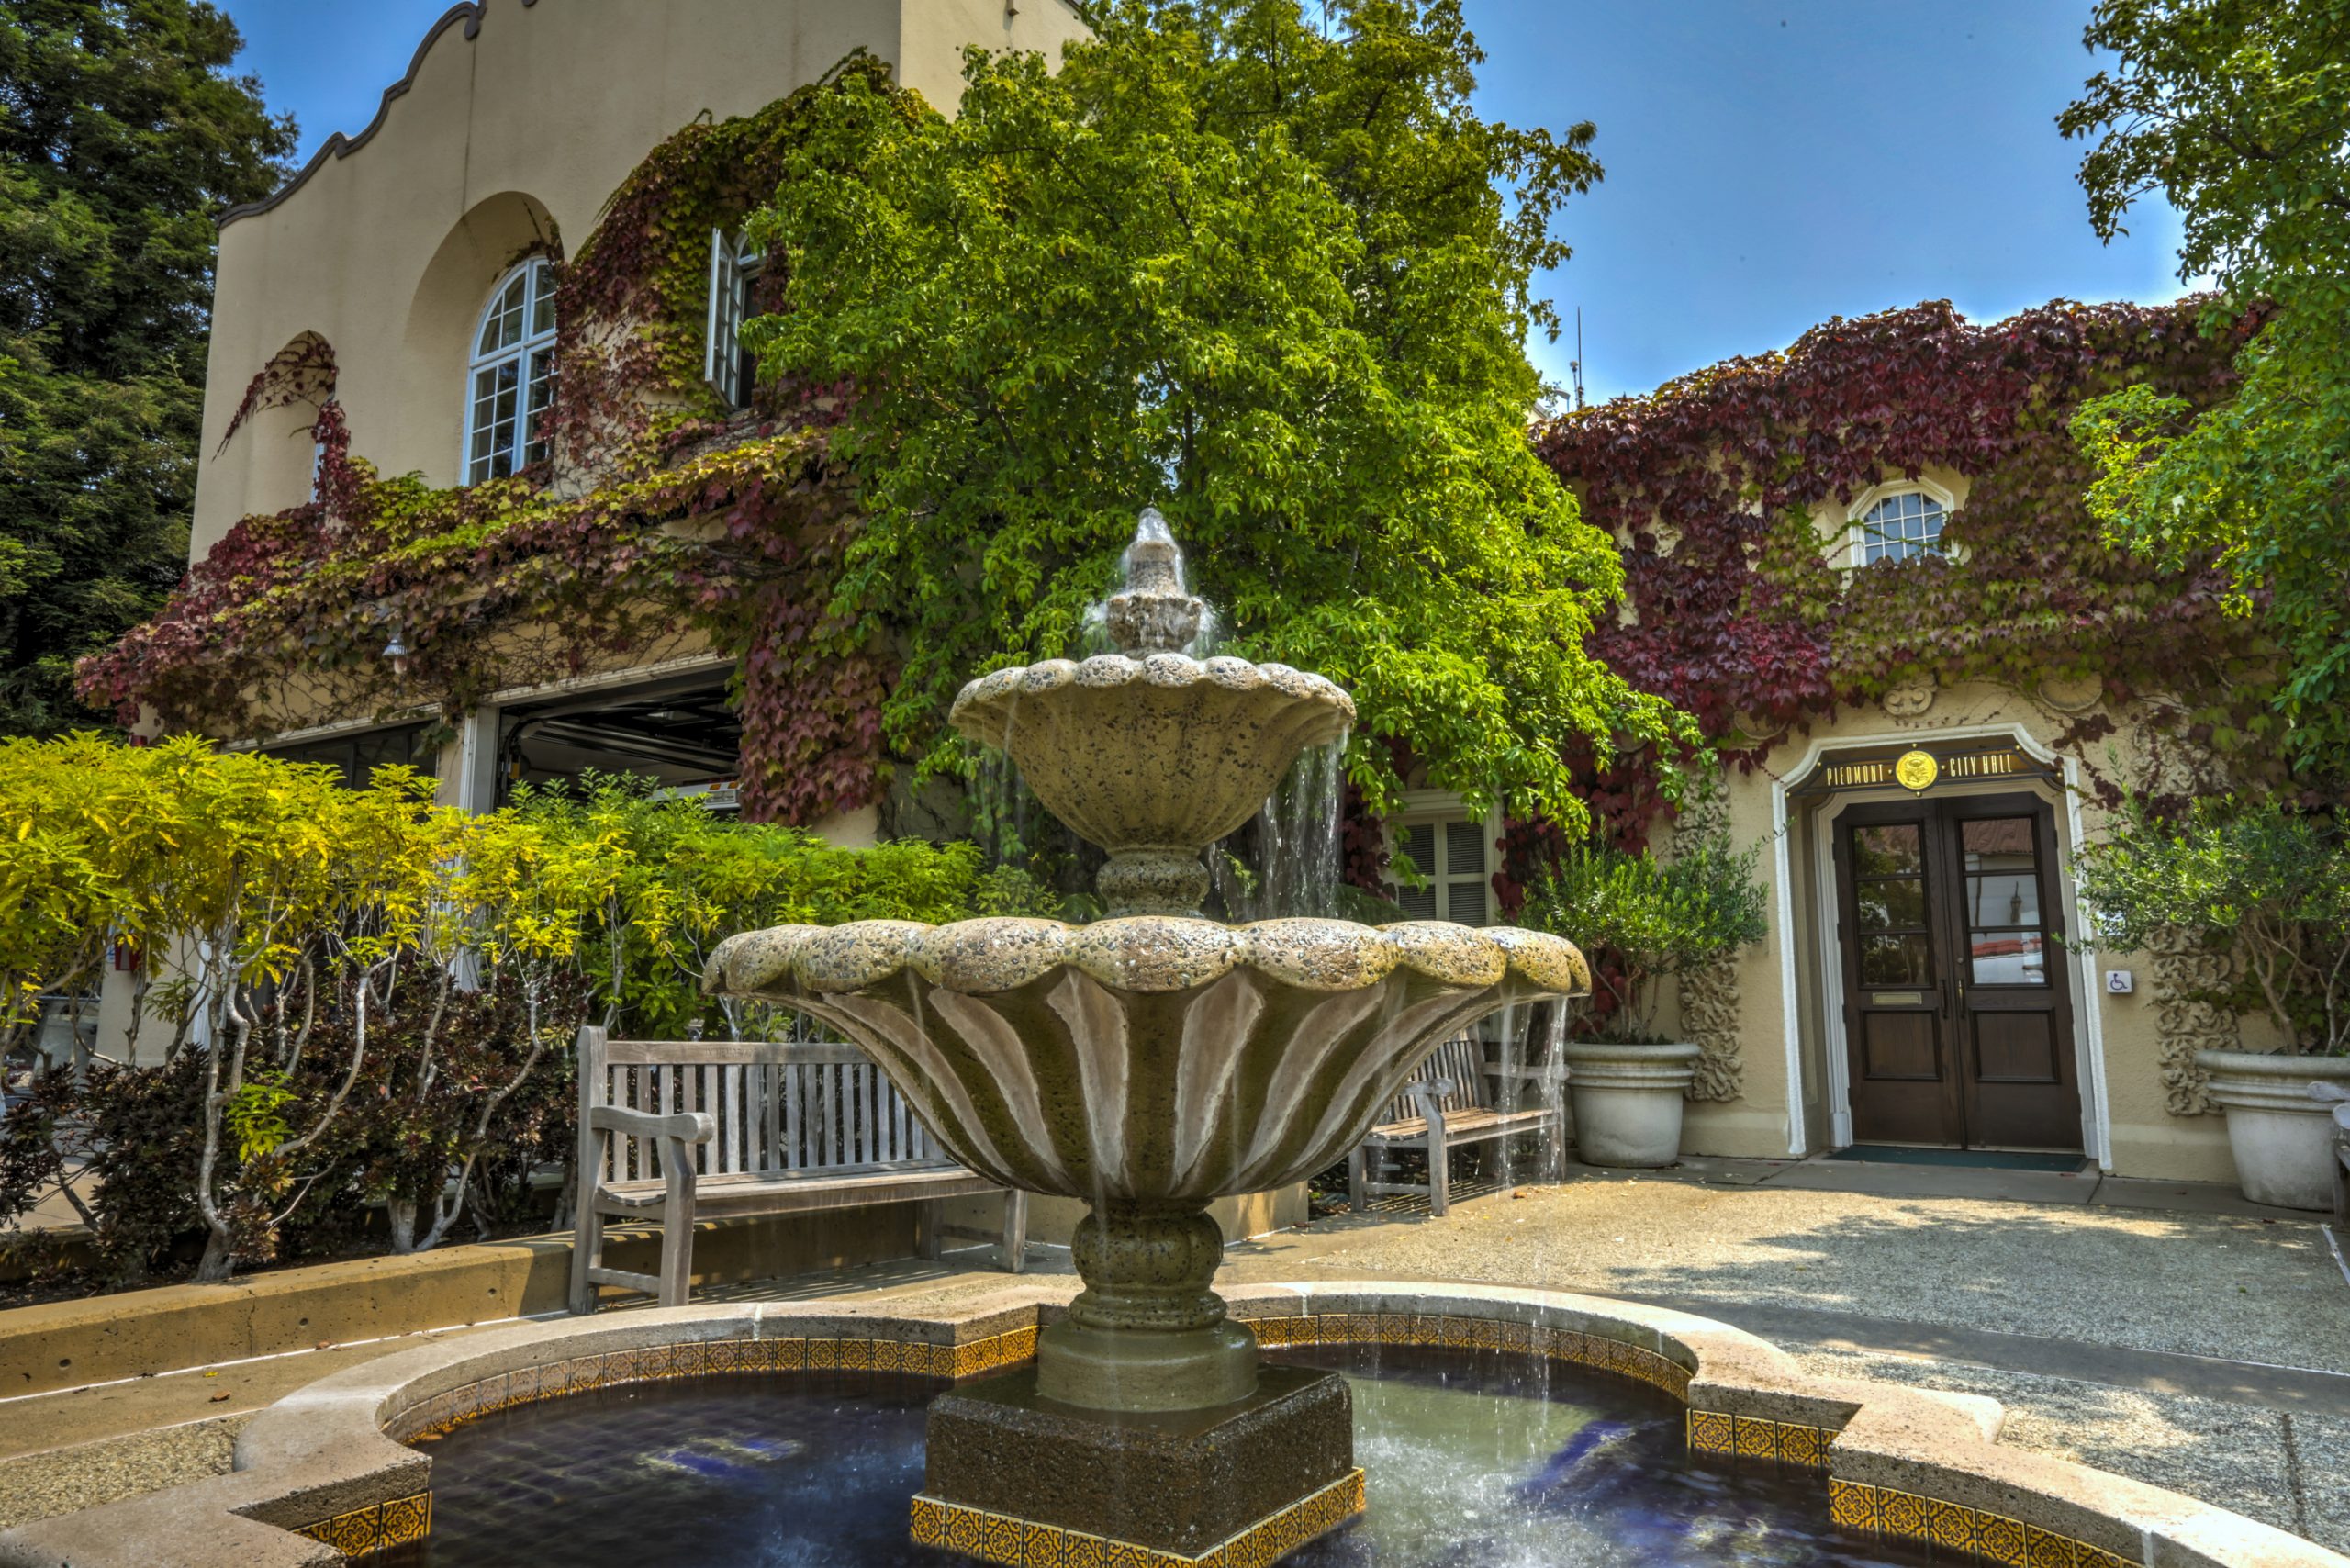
x: 1493, y: 1459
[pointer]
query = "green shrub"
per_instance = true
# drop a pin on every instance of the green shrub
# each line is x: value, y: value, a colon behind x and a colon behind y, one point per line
x: 1641, y: 919
x: 2268, y: 882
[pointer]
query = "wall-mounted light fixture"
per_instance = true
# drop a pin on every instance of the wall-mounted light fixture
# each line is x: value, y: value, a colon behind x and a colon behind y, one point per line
x: 398, y: 651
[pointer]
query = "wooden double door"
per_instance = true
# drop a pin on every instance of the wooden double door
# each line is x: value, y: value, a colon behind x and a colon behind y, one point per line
x: 1958, y: 1021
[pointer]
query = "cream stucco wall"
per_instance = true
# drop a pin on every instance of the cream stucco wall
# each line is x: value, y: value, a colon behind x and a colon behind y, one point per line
x: 2123, y: 1087
x: 516, y: 123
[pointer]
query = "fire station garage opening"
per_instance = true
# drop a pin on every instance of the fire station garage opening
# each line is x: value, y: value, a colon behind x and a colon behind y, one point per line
x: 681, y: 733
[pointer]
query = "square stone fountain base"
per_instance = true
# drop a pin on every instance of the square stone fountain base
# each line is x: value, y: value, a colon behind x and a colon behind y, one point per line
x: 1015, y: 1479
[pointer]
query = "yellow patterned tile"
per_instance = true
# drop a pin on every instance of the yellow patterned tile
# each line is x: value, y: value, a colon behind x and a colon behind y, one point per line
x: 1851, y: 1505
x: 1950, y: 1525
x: 1711, y: 1431
x: 2002, y: 1541
x: 929, y: 1521
x: 1756, y: 1439
x: 1805, y: 1446
x: 407, y: 1519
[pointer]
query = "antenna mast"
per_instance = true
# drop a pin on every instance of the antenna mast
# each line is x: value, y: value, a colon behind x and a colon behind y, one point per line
x: 1577, y: 365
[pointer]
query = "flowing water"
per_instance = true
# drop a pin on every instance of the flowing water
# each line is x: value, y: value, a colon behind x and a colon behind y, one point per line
x: 1473, y: 1462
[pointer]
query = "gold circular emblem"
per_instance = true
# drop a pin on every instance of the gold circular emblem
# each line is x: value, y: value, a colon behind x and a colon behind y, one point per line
x: 1917, y: 770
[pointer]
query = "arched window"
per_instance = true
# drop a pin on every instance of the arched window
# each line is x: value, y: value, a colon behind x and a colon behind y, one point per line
x: 1900, y: 526
x: 511, y: 379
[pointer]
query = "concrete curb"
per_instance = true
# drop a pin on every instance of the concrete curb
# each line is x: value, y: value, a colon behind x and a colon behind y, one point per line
x: 70, y: 1344
x: 321, y: 1454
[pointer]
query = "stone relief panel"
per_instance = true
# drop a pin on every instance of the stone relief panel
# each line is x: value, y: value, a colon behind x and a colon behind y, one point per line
x: 2183, y: 1025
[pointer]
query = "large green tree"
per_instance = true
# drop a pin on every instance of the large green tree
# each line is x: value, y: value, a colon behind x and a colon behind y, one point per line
x: 2238, y: 111
x: 122, y: 136
x: 1272, y: 274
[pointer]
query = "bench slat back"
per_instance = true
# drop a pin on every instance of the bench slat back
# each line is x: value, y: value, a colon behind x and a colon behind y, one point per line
x: 1461, y: 1059
x: 806, y: 1104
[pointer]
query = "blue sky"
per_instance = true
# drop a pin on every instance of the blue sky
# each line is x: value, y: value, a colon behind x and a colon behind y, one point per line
x: 1769, y: 162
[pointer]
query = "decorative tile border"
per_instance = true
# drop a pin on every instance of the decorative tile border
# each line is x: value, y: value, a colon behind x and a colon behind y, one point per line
x: 1016, y: 1543
x: 708, y: 1357
x: 1594, y: 1351
x: 1751, y: 1437
x: 1024, y: 1543
x: 376, y: 1526
x: 1954, y: 1527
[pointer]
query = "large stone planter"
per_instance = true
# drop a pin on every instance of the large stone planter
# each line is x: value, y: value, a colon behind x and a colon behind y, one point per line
x: 1627, y: 1100
x: 2280, y: 1136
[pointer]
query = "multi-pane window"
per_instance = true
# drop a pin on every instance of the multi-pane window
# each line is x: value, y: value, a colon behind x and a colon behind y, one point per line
x: 1455, y: 858
x: 734, y: 266
x: 510, y: 381
x: 1900, y: 527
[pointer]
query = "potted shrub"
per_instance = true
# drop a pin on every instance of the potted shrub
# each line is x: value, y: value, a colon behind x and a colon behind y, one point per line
x: 2273, y: 886
x: 1640, y: 920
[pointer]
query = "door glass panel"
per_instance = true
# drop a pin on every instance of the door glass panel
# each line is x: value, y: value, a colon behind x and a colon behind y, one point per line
x: 1890, y: 851
x: 1899, y: 904
x: 2005, y: 932
x: 1895, y: 961
x: 2008, y: 957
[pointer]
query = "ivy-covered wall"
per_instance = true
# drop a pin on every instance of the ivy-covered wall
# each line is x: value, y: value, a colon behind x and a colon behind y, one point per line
x: 1741, y: 610
x: 662, y: 521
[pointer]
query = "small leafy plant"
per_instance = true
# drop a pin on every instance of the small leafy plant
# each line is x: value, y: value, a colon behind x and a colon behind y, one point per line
x: 2270, y: 881
x: 1641, y: 919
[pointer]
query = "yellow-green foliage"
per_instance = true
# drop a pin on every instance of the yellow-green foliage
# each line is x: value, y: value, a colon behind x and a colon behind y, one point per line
x: 276, y: 864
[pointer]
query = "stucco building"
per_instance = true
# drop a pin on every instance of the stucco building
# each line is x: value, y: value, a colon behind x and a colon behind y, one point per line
x: 1928, y: 978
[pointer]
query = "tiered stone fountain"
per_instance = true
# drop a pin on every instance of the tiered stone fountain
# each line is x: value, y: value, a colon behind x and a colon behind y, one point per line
x: 1146, y: 1064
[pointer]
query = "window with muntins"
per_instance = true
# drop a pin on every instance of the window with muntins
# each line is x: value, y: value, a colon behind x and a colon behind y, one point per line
x: 1455, y: 858
x: 510, y: 380
x: 1901, y: 527
x: 734, y: 266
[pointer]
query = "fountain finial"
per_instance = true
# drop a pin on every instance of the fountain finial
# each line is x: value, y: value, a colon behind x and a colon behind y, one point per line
x: 1154, y: 614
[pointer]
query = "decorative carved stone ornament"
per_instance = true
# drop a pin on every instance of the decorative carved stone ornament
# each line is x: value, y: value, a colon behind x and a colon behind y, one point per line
x: 1908, y: 701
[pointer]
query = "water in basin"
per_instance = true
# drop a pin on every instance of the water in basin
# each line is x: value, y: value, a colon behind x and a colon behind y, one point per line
x: 1475, y: 1461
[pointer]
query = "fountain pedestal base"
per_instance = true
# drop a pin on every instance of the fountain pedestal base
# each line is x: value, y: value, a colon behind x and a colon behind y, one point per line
x: 1010, y: 1475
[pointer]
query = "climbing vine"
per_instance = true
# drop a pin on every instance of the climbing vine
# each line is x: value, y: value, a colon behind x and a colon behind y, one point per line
x: 1742, y: 612
x: 700, y: 525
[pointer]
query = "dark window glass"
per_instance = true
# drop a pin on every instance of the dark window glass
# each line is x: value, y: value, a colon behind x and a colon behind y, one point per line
x: 1895, y: 961
x: 1890, y: 851
x: 1897, y: 903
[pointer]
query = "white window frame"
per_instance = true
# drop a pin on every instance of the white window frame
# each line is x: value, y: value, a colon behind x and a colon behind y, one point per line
x: 734, y: 266
x: 1438, y: 808
x: 524, y: 354
x: 1856, y: 531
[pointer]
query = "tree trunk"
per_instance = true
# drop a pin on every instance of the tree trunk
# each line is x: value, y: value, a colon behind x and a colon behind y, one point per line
x: 402, y: 1213
x: 218, y: 1258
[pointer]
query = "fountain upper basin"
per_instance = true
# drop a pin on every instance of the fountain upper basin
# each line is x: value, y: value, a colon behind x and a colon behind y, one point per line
x: 1160, y: 751
x: 1161, y: 1061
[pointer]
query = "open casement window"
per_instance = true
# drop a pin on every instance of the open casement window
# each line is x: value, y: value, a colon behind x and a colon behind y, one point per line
x: 734, y: 264
x: 1455, y: 853
x: 509, y: 381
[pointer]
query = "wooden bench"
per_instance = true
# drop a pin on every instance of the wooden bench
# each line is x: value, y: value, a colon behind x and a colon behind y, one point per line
x: 2340, y: 1163
x: 685, y: 1131
x: 1462, y: 1096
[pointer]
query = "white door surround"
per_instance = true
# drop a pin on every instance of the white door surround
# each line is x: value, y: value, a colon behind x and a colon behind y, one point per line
x: 2088, y: 1035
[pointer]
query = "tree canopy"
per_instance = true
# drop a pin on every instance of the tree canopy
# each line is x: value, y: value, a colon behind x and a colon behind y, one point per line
x: 122, y: 137
x: 2238, y: 112
x: 1270, y: 275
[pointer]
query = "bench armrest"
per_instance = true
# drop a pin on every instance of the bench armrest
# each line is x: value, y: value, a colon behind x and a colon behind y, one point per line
x: 689, y: 1126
